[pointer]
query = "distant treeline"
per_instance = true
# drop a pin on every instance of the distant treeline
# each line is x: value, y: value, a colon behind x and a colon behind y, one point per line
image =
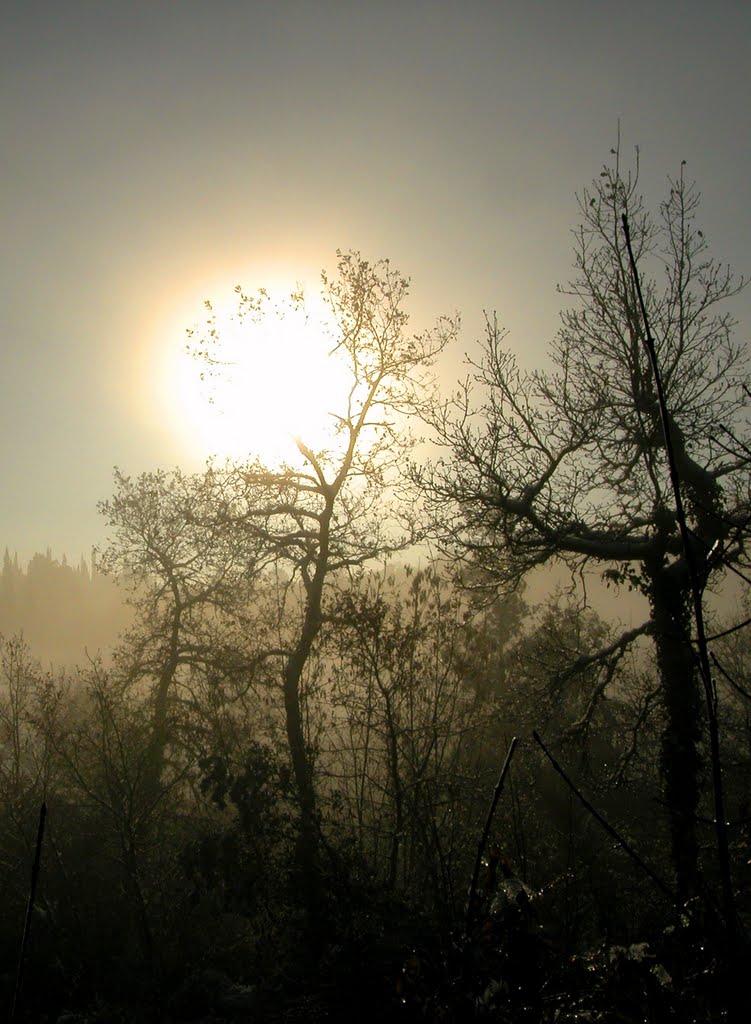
x: 63, y: 610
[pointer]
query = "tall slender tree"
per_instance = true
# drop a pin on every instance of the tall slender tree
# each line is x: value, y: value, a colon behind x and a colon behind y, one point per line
x: 334, y: 509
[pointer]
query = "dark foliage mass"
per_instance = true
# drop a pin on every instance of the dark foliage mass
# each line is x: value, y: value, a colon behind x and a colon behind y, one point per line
x: 279, y: 800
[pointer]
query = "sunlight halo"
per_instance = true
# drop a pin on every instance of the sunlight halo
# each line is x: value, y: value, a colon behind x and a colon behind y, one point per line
x: 266, y: 376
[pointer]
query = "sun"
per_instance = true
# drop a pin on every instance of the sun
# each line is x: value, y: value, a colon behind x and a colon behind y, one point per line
x: 257, y: 373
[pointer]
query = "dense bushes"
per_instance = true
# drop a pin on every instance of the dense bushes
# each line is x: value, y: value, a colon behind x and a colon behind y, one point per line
x: 180, y: 899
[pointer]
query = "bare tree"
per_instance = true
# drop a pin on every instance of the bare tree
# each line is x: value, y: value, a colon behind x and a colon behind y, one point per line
x: 335, y: 509
x: 569, y: 463
x: 407, y: 728
x: 189, y: 584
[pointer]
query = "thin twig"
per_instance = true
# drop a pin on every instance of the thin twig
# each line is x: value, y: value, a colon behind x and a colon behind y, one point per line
x: 29, y: 909
x: 736, y: 685
x: 663, y: 886
x: 617, y: 647
x: 486, y: 831
x: 727, y: 632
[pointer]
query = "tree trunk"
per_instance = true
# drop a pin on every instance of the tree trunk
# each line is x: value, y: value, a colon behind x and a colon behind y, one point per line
x: 307, y: 846
x: 680, y: 762
x: 160, y: 727
x: 307, y: 842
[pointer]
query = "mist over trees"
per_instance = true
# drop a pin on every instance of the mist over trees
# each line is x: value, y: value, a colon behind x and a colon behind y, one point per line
x: 63, y: 609
x: 267, y: 804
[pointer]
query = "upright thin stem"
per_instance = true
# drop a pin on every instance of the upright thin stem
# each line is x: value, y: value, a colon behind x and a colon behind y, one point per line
x: 486, y: 831
x: 29, y: 910
x: 663, y: 886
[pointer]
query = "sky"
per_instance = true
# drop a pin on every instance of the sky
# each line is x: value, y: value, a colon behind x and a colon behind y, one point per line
x: 155, y: 154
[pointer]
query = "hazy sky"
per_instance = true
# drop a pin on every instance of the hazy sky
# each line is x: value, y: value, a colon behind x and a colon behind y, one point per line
x: 155, y: 154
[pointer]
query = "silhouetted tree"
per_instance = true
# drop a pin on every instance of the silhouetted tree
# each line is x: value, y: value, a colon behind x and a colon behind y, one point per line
x: 189, y: 584
x: 332, y: 514
x: 247, y: 530
x: 569, y: 463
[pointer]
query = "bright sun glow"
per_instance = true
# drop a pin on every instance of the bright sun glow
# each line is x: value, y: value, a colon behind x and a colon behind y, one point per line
x: 274, y: 379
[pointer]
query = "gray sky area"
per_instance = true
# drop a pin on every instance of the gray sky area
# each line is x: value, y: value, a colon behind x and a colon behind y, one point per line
x: 156, y: 154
